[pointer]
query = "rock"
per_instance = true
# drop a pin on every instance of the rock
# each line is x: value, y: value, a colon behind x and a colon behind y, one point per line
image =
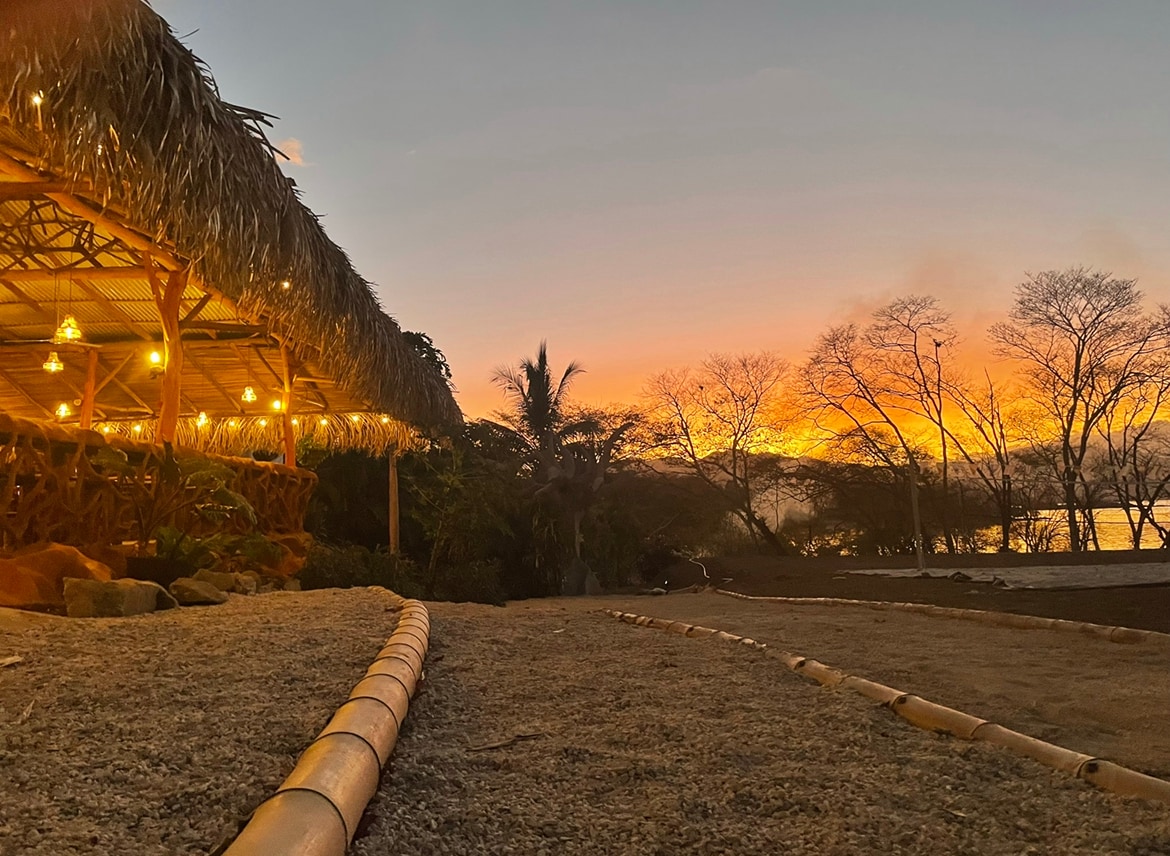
x: 225, y: 582
x: 189, y: 591
x: 247, y: 582
x: 114, y: 598
x: 294, y: 550
x: 34, y: 575
x: 292, y: 585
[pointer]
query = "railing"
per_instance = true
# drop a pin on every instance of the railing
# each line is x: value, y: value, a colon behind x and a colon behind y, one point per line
x: 53, y: 487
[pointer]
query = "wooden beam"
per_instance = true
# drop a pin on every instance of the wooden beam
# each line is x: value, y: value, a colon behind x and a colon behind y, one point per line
x: 12, y: 167
x: 27, y: 300
x: 111, y: 373
x: 115, y: 310
x: 24, y: 392
x: 95, y: 274
x: 194, y: 311
x: 16, y: 190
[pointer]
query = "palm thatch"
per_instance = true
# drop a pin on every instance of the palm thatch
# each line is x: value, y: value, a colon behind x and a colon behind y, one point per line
x: 102, y: 95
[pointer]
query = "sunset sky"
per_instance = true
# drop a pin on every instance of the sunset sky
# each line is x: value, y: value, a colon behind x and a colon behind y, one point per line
x: 642, y: 183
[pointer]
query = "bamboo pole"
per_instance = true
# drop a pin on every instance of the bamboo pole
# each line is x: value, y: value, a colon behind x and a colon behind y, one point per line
x: 286, y: 404
x: 89, y: 393
x: 393, y: 510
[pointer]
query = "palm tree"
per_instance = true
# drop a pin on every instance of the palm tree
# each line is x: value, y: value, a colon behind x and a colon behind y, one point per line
x: 536, y: 402
x: 568, y: 460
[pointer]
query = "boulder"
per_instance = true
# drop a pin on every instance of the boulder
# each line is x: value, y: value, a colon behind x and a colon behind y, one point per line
x: 225, y: 582
x: 248, y: 582
x: 114, y: 598
x: 34, y: 576
x: 294, y: 550
x: 189, y: 591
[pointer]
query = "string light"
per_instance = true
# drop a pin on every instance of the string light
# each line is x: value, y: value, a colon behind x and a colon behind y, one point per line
x: 155, y: 358
x: 232, y: 423
x: 136, y: 428
x: 201, y: 420
x: 323, y: 421
x: 249, y: 395
x: 69, y: 331
x: 385, y: 420
x: 105, y: 429
x: 63, y: 410
x: 286, y: 285
x: 276, y: 405
x: 53, y: 364
x: 263, y: 423
x: 296, y: 421
x: 38, y: 99
x: 356, y: 418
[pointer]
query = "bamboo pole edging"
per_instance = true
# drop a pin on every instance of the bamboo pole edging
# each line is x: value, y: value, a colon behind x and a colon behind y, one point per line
x: 315, y: 811
x: 940, y: 719
x: 1118, y: 634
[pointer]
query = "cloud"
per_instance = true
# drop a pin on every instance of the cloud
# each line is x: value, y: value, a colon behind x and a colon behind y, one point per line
x: 293, y: 151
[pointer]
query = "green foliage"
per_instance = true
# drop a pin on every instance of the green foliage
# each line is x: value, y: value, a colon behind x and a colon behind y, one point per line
x: 349, y: 567
x: 477, y: 581
x: 183, y: 484
x: 249, y: 551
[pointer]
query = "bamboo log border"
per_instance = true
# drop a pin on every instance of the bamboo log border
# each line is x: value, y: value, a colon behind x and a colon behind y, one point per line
x: 933, y: 717
x: 1110, y: 633
x: 315, y: 812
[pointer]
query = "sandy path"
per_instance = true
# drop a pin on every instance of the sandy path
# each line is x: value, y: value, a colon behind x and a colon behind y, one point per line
x: 653, y: 743
x: 155, y: 734
x: 1086, y: 694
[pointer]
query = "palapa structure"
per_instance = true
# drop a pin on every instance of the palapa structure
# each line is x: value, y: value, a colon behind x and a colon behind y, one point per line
x: 138, y: 207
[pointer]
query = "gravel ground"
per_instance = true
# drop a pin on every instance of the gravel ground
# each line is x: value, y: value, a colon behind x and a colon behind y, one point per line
x: 638, y: 741
x: 1097, y: 697
x: 156, y: 734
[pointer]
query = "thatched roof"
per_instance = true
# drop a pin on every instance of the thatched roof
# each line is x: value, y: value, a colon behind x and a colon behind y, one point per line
x: 105, y: 109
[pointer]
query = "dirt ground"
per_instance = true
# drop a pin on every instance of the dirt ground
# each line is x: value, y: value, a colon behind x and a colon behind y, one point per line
x: 1145, y: 607
x: 548, y: 728
x: 1102, y: 698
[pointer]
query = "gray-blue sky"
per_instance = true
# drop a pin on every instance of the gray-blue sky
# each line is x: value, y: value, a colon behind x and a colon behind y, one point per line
x: 644, y: 182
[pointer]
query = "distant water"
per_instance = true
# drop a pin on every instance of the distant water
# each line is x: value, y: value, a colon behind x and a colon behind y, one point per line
x: 1113, y: 530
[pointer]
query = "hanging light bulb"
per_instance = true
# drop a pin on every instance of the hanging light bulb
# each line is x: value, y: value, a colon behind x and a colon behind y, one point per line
x: 67, y: 332
x: 276, y: 405
x: 249, y: 395
x: 136, y: 428
x: 355, y: 418
x: 232, y: 423
x: 263, y: 423
x: 296, y: 421
x: 63, y: 411
x: 385, y: 420
x: 53, y: 364
x: 323, y: 421
x: 201, y: 420
x: 286, y: 285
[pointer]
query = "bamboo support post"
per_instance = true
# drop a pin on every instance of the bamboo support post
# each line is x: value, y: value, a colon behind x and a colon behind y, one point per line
x: 89, y: 393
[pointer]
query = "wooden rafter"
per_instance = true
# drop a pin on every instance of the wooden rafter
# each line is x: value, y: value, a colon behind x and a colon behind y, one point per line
x: 232, y: 401
x: 115, y: 310
x: 15, y: 384
x: 90, y: 273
